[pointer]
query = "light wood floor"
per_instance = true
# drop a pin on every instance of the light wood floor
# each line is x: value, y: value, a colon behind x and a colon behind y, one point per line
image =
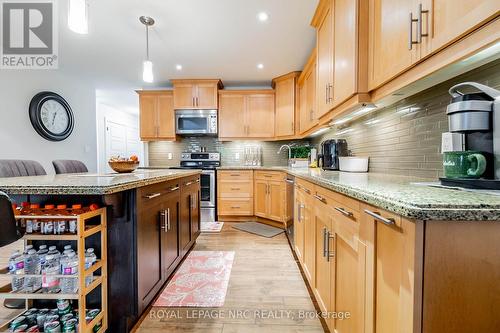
x: 265, y: 284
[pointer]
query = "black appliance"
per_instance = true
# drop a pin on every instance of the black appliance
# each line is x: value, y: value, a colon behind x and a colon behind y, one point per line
x: 330, y: 151
x: 477, y: 116
x: 207, y: 162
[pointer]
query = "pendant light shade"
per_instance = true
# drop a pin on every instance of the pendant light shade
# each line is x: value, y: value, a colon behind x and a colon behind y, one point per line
x: 147, y: 71
x: 78, y: 19
x: 147, y: 65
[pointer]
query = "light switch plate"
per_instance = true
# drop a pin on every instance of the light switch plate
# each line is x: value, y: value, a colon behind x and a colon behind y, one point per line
x: 237, y: 156
x: 452, y: 142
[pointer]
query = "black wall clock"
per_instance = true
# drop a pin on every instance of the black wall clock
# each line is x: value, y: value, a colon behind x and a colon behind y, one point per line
x: 51, y: 116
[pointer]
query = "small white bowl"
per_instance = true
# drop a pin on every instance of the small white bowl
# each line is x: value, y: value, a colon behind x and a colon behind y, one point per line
x: 353, y: 163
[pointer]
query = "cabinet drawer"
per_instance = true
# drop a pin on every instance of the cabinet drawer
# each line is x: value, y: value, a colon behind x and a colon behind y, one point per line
x: 269, y: 175
x: 236, y: 207
x: 228, y: 175
x: 157, y: 192
x: 236, y: 189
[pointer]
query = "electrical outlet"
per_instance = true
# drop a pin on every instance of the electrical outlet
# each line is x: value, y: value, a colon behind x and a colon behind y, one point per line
x: 170, y: 156
x: 237, y: 156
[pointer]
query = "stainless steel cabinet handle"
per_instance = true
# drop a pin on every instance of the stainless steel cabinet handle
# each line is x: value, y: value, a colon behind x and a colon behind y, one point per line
x: 235, y: 188
x: 192, y: 182
x: 168, y: 220
x: 377, y: 216
x: 344, y: 212
x: 163, y: 224
x: 320, y: 198
x: 410, y: 32
x: 330, y: 97
x: 174, y: 188
x: 329, y: 254
x: 153, y: 195
x: 311, y: 116
x: 324, y: 242
x: 299, y: 213
x: 289, y: 181
x: 420, y: 34
x: 197, y: 180
x: 326, y: 94
x: 194, y: 103
x: 235, y: 207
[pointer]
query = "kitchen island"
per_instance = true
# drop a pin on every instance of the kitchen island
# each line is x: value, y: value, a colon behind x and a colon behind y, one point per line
x: 152, y: 223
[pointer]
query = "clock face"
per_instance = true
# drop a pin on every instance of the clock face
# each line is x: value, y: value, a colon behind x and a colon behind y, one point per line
x: 54, y: 116
x: 51, y: 116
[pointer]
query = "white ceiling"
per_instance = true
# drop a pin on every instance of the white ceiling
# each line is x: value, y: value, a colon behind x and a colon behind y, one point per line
x: 209, y: 38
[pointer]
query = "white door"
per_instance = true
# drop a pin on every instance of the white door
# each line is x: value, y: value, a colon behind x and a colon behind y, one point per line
x: 122, y: 141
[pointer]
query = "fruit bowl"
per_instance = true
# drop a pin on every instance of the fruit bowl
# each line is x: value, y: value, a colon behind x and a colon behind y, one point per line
x: 123, y: 166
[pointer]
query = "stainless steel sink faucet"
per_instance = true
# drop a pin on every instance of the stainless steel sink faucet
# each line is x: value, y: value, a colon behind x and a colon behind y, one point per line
x: 289, y: 150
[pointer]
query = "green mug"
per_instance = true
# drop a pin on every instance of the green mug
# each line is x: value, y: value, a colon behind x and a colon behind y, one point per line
x: 464, y: 164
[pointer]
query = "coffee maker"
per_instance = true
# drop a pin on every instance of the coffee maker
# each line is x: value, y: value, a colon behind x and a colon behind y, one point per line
x: 477, y: 117
x: 330, y: 152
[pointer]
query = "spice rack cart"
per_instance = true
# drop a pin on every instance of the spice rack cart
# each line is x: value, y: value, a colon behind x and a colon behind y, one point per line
x: 88, y: 224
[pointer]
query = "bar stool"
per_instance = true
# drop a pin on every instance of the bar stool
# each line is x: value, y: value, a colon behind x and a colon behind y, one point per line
x: 69, y: 166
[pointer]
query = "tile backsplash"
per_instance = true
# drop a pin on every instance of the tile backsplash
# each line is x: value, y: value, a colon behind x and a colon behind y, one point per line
x: 405, y: 138
x: 232, y: 152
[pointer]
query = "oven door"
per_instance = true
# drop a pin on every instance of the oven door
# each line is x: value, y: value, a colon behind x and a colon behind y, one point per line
x: 207, y: 189
x: 193, y: 121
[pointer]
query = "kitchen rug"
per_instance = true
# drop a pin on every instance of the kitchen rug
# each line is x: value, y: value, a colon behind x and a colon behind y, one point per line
x: 211, y: 226
x: 260, y: 229
x: 201, y: 281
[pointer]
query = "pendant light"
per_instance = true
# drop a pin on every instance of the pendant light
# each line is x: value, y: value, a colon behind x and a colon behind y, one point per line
x: 78, y: 16
x: 147, y: 70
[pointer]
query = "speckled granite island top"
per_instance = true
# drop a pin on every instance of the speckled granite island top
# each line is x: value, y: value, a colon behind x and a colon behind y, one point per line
x: 400, y: 194
x: 89, y: 184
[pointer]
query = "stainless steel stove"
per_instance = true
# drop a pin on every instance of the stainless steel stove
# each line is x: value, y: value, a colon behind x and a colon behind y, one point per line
x: 207, y: 162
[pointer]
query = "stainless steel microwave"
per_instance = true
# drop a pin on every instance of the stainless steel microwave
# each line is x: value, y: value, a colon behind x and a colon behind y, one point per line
x: 196, y: 122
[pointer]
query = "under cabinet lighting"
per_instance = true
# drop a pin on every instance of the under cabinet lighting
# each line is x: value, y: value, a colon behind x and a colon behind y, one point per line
x: 342, y: 121
x: 320, y: 131
x: 78, y: 16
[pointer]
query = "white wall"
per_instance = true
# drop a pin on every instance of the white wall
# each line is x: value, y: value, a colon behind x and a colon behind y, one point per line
x: 18, y: 139
x: 108, y: 113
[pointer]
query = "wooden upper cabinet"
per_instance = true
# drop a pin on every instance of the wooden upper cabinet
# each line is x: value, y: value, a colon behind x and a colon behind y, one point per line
x: 389, y: 52
x: 196, y: 94
x: 260, y: 115
x: 156, y: 115
x: 231, y: 115
x: 445, y: 21
x: 323, y: 21
x: 246, y: 114
x: 307, y: 95
x: 286, y: 95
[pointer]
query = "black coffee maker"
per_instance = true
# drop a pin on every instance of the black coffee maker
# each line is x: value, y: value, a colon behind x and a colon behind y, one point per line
x: 331, y: 149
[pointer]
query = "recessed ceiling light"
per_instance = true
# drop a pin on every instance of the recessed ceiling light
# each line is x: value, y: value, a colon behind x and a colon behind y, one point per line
x: 260, y: 66
x: 263, y: 16
x: 178, y: 67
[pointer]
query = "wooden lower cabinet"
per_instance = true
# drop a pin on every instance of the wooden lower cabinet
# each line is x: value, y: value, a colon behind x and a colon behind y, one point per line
x: 159, y: 234
x: 324, y: 260
x: 235, y: 193
x: 270, y: 200
x: 189, y: 213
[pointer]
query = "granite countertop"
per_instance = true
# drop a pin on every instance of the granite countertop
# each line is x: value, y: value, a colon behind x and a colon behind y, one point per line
x: 88, y: 183
x: 400, y: 194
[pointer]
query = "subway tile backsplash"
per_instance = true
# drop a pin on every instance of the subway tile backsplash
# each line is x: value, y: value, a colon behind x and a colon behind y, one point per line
x: 405, y: 138
x: 232, y: 152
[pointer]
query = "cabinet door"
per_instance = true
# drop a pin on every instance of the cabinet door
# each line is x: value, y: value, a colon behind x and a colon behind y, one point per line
x: 345, y: 54
x: 260, y: 116
x: 298, y: 225
x: 261, y: 190
x: 303, y: 111
x: 389, y: 52
x: 184, y: 95
x: 185, y: 219
x: 206, y: 96
x: 325, y: 63
x: 195, y: 211
x: 169, y: 231
x: 276, y: 198
x: 309, y: 238
x: 166, y: 117
x: 347, y: 292
x: 390, y: 272
x: 285, y: 107
x: 148, y: 116
x: 323, y: 261
x: 447, y: 20
x: 232, y: 116
x: 149, y: 249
